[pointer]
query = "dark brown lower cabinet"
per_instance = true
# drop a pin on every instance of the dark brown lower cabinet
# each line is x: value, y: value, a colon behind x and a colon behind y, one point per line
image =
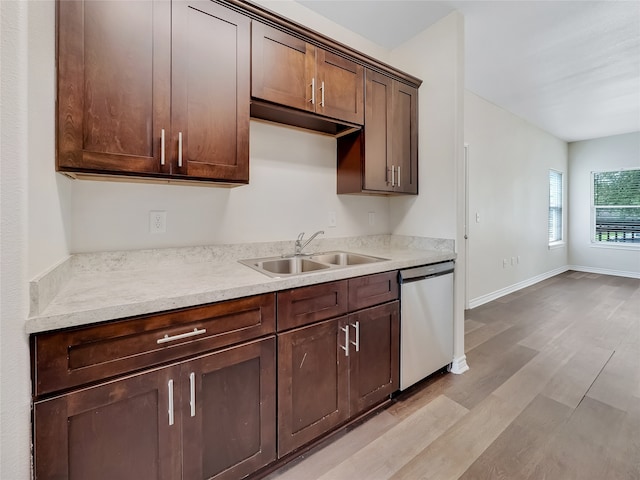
x: 229, y: 415
x: 334, y: 370
x: 313, y: 383
x: 210, y: 417
x: 117, y: 430
x: 374, y: 365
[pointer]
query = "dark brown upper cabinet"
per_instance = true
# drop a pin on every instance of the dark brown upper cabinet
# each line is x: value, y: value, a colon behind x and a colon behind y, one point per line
x: 153, y: 89
x: 383, y: 157
x: 289, y: 71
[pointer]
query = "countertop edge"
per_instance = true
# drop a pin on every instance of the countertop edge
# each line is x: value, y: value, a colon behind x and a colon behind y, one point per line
x: 256, y: 285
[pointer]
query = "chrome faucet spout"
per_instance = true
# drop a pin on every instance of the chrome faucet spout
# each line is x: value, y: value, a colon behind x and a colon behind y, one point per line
x: 300, y: 246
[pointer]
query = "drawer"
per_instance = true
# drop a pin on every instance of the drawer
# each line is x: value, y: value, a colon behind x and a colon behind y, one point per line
x: 305, y: 305
x: 70, y: 358
x: 372, y: 290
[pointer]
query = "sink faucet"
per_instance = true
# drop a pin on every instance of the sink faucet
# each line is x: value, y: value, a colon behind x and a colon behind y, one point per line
x: 300, y: 245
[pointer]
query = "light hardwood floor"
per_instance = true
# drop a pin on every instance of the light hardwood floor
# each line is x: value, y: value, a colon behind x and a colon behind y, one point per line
x: 553, y: 392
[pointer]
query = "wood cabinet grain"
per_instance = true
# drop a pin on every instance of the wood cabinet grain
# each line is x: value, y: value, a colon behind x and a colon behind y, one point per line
x: 290, y: 71
x: 80, y: 356
x: 210, y: 417
x: 333, y: 370
x: 383, y: 158
x: 313, y: 383
x: 118, y: 429
x: 114, y: 75
x: 153, y: 89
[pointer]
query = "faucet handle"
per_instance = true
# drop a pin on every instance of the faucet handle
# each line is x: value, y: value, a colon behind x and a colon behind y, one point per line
x: 300, y: 237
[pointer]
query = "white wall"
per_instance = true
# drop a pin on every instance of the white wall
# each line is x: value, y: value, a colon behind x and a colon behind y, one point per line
x: 49, y: 193
x: 608, y: 153
x: 508, y: 168
x: 310, y: 19
x: 292, y: 188
x: 14, y: 156
x: 436, y: 55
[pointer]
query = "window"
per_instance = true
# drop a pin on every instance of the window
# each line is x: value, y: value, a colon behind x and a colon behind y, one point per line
x: 555, y: 207
x: 616, y: 207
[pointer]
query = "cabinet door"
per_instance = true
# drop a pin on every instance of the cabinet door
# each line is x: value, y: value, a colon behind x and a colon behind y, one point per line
x: 313, y: 391
x: 114, y: 61
x: 210, y: 92
x: 374, y: 358
x: 122, y: 429
x: 282, y: 68
x: 229, y: 412
x: 339, y: 88
x: 378, y: 124
x: 404, y: 134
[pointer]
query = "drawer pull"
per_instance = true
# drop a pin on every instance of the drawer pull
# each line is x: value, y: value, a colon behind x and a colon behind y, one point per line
x: 180, y: 336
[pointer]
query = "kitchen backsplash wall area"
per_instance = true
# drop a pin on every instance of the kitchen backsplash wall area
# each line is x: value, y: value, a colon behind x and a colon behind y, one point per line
x: 292, y: 189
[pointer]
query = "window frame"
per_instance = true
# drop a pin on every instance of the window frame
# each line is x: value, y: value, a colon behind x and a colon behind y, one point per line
x: 561, y: 240
x: 592, y: 213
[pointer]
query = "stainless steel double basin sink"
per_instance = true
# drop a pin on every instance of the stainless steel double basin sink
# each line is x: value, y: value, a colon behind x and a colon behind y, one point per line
x: 299, y: 264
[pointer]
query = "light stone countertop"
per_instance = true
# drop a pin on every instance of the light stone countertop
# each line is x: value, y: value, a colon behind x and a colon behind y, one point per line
x: 94, y: 293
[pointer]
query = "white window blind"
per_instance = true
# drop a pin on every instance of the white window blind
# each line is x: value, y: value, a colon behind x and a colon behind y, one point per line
x: 616, y: 206
x: 555, y: 206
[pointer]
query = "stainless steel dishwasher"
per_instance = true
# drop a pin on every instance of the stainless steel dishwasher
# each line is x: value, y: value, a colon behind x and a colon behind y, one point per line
x: 426, y: 332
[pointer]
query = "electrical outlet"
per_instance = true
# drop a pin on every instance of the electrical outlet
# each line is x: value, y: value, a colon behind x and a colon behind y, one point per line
x: 372, y: 218
x: 505, y: 262
x: 332, y: 219
x: 157, y: 221
x: 513, y: 260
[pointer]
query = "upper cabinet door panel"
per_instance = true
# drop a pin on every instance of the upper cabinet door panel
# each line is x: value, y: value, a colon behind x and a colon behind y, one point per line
x: 379, y: 92
x: 210, y: 92
x: 113, y: 84
x: 283, y: 68
x: 340, y: 86
x: 405, y: 137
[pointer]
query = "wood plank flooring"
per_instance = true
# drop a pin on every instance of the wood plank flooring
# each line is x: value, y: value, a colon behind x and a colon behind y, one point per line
x: 553, y: 393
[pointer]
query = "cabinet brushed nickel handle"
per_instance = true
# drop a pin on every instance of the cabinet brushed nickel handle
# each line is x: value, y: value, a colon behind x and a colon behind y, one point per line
x: 393, y: 176
x: 179, y: 149
x: 322, y: 94
x: 398, y: 175
x: 180, y: 336
x: 313, y: 91
x: 357, y: 342
x: 170, y: 386
x: 346, y: 340
x: 162, y: 154
x: 192, y: 390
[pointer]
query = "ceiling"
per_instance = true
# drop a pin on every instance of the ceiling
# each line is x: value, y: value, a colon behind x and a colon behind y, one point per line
x: 572, y: 68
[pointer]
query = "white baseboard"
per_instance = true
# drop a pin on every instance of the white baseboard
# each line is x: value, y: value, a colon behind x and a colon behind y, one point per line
x: 476, y: 302
x: 459, y: 365
x: 604, y: 271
